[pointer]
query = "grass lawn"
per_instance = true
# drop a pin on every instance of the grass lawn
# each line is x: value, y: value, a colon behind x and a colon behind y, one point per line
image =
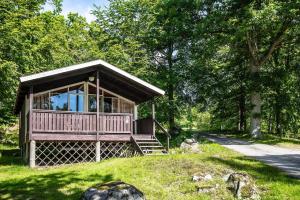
x: 159, y: 177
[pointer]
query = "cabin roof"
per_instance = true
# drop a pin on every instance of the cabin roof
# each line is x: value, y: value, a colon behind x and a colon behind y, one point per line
x: 111, y: 78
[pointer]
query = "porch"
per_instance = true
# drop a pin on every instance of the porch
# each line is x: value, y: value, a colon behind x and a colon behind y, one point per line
x: 51, y: 125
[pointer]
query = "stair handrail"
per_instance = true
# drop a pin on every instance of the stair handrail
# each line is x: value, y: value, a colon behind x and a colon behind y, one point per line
x: 165, y: 132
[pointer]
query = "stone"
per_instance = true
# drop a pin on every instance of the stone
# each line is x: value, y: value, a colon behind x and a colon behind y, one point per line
x: 242, y: 186
x: 196, y: 178
x: 207, y: 177
x: 190, y: 145
x: 113, y: 191
x: 225, y: 177
x: 190, y: 141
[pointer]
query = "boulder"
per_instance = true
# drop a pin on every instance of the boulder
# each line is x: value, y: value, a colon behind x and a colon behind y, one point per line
x: 206, y: 177
x: 190, y: 141
x: 190, y: 145
x: 113, y: 191
x: 242, y: 186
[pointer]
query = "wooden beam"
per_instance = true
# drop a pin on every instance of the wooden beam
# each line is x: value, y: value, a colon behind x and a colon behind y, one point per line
x: 32, y: 154
x: 97, y: 151
x: 135, y: 117
x: 97, y: 118
x: 153, y: 117
x: 80, y: 137
x: 30, y: 112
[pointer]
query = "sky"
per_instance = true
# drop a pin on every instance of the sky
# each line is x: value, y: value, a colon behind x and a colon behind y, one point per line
x: 83, y: 7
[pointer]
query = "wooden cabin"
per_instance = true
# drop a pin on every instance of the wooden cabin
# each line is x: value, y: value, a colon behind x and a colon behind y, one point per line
x: 83, y: 113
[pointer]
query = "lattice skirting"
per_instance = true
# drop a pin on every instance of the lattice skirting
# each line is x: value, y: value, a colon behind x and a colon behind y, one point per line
x: 116, y: 149
x: 58, y: 153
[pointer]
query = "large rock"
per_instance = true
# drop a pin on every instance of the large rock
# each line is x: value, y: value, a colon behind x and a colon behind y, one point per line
x: 190, y: 145
x: 113, y: 191
x: 242, y: 186
x: 206, y: 177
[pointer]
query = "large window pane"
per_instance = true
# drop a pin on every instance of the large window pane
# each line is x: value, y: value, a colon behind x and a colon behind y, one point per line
x: 76, y: 103
x: 59, y: 100
x: 92, y: 103
x: 107, y: 105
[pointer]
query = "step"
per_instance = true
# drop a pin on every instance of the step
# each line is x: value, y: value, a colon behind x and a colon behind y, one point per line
x: 148, y: 142
x: 153, y: 150
x: 151, y: 146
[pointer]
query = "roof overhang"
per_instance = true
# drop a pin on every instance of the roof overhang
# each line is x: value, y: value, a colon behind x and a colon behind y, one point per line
x: 111, y: 78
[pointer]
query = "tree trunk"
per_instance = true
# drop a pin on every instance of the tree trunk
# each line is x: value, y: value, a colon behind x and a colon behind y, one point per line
x: 242, y: 110
x: 277, y: 116
x: 171, y: 108
x: 171, y: 90
x: 255, y: 128
x: 255, y: 121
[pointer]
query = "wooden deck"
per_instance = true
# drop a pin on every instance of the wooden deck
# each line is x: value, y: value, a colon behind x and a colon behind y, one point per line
x: 82, y: 126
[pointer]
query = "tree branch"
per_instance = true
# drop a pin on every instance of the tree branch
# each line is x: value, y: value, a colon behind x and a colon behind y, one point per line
x: 276, y: 42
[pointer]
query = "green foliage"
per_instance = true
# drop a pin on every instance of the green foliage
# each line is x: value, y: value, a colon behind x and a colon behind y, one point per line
x: 202, y: 53
x: 8, y: 85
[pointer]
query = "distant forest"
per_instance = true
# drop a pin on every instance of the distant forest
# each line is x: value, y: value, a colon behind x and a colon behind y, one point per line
x: 229, y: 65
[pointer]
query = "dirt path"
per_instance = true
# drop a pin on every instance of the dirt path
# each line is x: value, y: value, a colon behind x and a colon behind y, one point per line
x: 285, y: 159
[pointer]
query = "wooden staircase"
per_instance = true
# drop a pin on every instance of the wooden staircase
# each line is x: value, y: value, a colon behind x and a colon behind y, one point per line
x: 148, y: 145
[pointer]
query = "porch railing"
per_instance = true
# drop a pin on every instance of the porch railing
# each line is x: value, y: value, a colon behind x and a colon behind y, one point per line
x: 47, y: 121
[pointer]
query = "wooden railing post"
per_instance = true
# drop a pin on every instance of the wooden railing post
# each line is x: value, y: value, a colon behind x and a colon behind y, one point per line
x: 153, y: 118
x: 97, y: 101
x: 135, y: 117
x: 30, y: 113
x: 168, y: 143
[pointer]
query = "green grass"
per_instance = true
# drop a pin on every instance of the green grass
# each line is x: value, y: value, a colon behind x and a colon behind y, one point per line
x: 159, y: 177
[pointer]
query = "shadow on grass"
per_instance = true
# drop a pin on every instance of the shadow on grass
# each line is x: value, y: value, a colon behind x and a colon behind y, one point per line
x: 48, y: 186
x: 11, y: 160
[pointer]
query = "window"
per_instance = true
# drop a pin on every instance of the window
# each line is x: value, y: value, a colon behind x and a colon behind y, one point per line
x: 59, y: 100
x: 76, y: 96
x: 92, y: 103
x: 76, y: 103
x: 107, y: 104
x: 72, y: 98
x: 92, y: 99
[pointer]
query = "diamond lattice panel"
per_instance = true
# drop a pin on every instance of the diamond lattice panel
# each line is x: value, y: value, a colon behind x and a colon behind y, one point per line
x: 58, y: 153
x: 116, y: 149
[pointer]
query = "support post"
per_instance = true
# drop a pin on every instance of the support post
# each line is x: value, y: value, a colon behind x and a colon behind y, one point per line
x: 97, y: 97
x: 168, y: 143
x: 97, y: 151
x: 32, y: 154
x: 26, y: 150
x: 135, y: 117
x: 30, y: 112
x: 153, y: 117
